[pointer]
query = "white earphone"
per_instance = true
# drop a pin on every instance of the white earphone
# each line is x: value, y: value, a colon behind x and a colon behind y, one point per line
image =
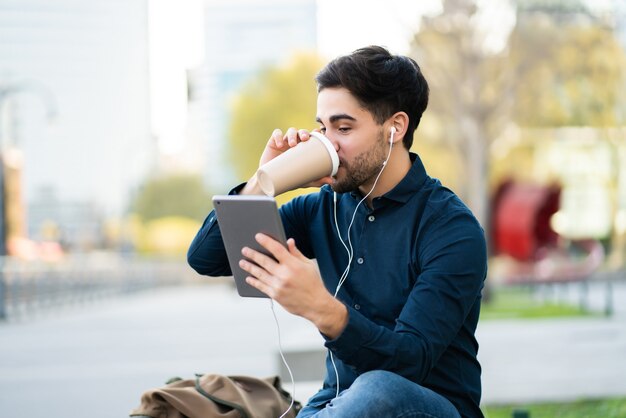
x: 393, y: 132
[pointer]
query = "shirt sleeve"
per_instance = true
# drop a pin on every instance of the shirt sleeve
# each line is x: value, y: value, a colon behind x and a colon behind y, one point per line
x: 452, y: 268
x: 206, y: 254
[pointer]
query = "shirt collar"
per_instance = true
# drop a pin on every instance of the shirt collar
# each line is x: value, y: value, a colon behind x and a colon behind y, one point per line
x: 411, y: 183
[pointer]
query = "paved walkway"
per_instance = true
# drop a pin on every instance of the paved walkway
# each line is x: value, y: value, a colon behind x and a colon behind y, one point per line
x: 96, y: 360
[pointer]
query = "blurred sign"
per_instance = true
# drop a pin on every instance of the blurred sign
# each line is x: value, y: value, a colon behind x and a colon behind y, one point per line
x: 521, y: 219
x: 583, y: 163
x: 3, y: 242
x: 13, y: 215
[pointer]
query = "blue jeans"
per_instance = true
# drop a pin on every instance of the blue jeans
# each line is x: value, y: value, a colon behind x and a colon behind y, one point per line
x: 384, y: 394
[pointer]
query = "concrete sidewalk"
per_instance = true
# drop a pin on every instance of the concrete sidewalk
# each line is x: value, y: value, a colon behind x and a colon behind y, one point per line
x: 552, y: 360
x: 96, y: 360
x: 557, y: 359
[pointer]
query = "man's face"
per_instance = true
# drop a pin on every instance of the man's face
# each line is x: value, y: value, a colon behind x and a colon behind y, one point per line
x: 359, y: 140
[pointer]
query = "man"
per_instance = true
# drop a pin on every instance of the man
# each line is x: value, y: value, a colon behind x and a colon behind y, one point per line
x: 404, y: 256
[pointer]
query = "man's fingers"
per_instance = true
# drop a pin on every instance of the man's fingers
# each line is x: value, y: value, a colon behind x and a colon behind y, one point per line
x: 259, y: 259
x: 292, y: 137
x: 291, y: 246
x: 257, y: 284
x: 304, y: 135
x: 254, y: 270
x: 274, y: 247
x: 277, y: 138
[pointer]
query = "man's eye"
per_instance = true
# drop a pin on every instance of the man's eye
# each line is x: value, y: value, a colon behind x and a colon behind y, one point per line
x: 343, y: 129
x: 322, y: 129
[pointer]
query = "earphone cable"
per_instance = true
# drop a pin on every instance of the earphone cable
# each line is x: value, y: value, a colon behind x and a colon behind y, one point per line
x: 282, y: 356
x: 350, y: 251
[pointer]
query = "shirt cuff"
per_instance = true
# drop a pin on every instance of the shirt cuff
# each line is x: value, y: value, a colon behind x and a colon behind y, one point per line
x: 354, y: 336
x: 236, y: 190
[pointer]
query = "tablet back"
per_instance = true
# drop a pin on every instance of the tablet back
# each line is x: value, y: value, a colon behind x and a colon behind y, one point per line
x: 240, y: 218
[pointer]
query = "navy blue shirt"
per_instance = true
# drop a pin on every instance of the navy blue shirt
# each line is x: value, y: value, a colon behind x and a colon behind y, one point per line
x: 414, y: 287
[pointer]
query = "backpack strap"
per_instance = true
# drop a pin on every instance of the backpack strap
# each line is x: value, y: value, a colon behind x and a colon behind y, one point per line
x: 219, y: 401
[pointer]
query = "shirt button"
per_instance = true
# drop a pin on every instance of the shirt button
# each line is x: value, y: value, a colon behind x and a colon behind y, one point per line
x: 360, y: 260
x: 371, y: 218
x: 357, y: 306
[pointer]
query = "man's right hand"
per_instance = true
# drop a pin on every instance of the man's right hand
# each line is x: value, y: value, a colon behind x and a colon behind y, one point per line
x: 279, y: 143
x: 276, y: 145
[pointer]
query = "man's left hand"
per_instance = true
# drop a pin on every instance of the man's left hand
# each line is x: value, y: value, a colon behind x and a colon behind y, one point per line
x: 294, y: 281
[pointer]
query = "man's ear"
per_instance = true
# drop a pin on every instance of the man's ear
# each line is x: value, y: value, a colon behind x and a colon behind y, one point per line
x: 400, y: 122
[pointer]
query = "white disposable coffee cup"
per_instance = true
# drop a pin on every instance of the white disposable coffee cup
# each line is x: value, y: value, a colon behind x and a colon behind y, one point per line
x: 306, y: 162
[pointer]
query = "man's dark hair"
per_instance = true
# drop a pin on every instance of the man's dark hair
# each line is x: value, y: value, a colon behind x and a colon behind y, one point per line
x: 382, y: 83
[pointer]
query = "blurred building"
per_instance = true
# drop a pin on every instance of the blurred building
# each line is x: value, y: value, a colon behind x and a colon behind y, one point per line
x: 241, y: 37
x: 76, y: 225
x: 76, y: 102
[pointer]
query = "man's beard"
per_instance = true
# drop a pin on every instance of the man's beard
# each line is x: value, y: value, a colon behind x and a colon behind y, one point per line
x: 364, y: 167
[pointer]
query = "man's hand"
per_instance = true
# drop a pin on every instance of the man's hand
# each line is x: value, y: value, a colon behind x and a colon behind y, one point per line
x: 294, y: 281
x: 276, y: 145
x: 279, y: 143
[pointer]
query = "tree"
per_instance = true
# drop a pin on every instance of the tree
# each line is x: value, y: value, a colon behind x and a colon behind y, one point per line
x: 471, y: 90
x: 560, y: 66
x: 181, y: 195
x: 573, y: 80
x: 279, y: 97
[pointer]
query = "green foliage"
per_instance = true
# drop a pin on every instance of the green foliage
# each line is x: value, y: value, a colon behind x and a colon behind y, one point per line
x: 167, y: 236
x: 180, y: 195
x: 575, y: 79
x: 561, y: 66
x: 520, y: 303
x: 585, y: 408
x: 278, y: 98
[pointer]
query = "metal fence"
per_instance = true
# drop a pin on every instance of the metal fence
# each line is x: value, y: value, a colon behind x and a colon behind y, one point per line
x: 28, y: 287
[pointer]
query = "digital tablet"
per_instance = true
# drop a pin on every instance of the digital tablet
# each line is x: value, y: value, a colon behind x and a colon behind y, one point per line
x: 240, y: 218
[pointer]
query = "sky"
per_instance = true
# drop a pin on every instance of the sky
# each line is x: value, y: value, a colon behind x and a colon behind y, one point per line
x: 345, y: 25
